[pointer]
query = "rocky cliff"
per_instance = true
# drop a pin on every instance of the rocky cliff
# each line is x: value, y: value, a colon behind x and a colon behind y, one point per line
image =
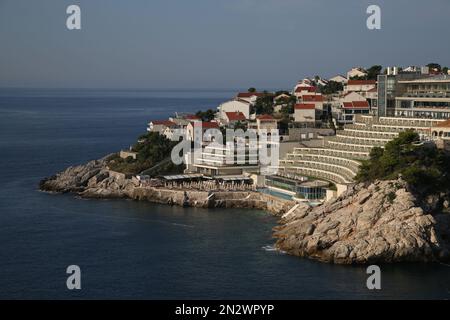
x: 95, y: 180
x: 382, y: 222
x: 379, y: 223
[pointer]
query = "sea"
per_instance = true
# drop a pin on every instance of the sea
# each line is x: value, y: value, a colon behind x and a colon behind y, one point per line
x: 139, y: 250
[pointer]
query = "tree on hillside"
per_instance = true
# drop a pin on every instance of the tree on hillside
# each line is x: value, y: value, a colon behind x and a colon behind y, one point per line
x: 207, y: 115
x: 264, y: 104
x: 251, y: 89
x: 434, y: 66
x: 422, y: 165
x: 373, y: 72
x: 331, y: 87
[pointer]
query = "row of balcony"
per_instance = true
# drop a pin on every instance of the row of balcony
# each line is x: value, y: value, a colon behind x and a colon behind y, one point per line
x: 352, y: 165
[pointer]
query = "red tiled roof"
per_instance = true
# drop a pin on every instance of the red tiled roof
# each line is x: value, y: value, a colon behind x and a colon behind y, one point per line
x: 235, y: 116
x: 348, y: 105
x: 166, y: 123
x: 361, y: 82
x: 308, y: 88
x: 360, y: 104
x: 206, y: 125
x: 265, y: 117
x: 356, y: 105
x: 304, y: 106
x: 249, y: 94
x: 312, y: 98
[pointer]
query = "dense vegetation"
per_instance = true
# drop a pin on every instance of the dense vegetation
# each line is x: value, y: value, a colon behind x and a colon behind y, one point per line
x: 425, y: 167
x: 153, y: 150
x: 207, y: 115
x: 263, y: 104
x: 372, y: 73
x: 331, y: 87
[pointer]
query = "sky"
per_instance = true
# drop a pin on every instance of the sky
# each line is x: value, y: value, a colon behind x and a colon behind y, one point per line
x: 212, y: 44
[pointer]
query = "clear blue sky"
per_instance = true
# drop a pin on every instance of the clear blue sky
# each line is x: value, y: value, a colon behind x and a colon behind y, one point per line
x: 211, y: 43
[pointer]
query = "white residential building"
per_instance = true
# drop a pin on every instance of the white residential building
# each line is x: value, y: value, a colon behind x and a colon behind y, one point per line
x: 316, y: 99
x: 249, y: 97
x: 160, y: 125
x: 339, y: 79
x: 264, y: 122
x: 356, y: 72
x: 242, y: 106
x: 304, y: 90
x: 232, y: 118
x: 305, y: 112
x: 361, y: 86
x: 205, y: 126
x: 352, y: 96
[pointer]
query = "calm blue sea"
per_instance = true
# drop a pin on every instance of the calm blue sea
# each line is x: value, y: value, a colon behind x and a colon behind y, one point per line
x: 129, y: 249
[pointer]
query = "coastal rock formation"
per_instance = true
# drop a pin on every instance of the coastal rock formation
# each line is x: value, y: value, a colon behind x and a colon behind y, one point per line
x: 75, y: 179
x: 375, y: 224
x: 379, y: 223
x: 95, y: 180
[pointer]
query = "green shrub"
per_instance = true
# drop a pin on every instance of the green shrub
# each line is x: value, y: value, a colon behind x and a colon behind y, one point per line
x: 422, y: 165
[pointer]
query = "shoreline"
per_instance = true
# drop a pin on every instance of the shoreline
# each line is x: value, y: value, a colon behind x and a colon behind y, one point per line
x: 365, y: 225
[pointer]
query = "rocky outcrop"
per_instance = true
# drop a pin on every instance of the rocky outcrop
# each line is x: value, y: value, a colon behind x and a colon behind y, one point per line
x: 375, y: 224
x: 379, y: 223
x: 78, y: 178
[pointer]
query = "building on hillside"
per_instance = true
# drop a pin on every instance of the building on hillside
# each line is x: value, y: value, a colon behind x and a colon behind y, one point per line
x: 264, y: 122
x: 205, y: 129
x: 337, y: 159
x: 350, y: 104
x: 249, y: 97
x: 160, y: 125
x: 356, y: 72
x: 306, y: 83
x: 282, y: 97
x: 441, y: 135
x: 305, y: 113
x: 427, y: 97
x: 339, y: 78
x: 218, y: 161
x: 360, y: 86
x: 352, y: 96
x: 389, y: 88
x: 321, y: 82
x: 304, y: 90
x: 441, y: 130
x: 182, y: 120
x: 242, y: 106
x: 352, y: 108
x: 411, y: 69
x: 280, y: 102
x: 317, y: 99
x: 233, y: 118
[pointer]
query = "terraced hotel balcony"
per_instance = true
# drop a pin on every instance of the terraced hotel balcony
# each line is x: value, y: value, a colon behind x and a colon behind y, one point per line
x: 352, y: 165
x: 339, y: 159
x: 341, y: 153
x: 369, y: 132
x: 316, y: 173
x: 371, y: 136
x: 355, y: 142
